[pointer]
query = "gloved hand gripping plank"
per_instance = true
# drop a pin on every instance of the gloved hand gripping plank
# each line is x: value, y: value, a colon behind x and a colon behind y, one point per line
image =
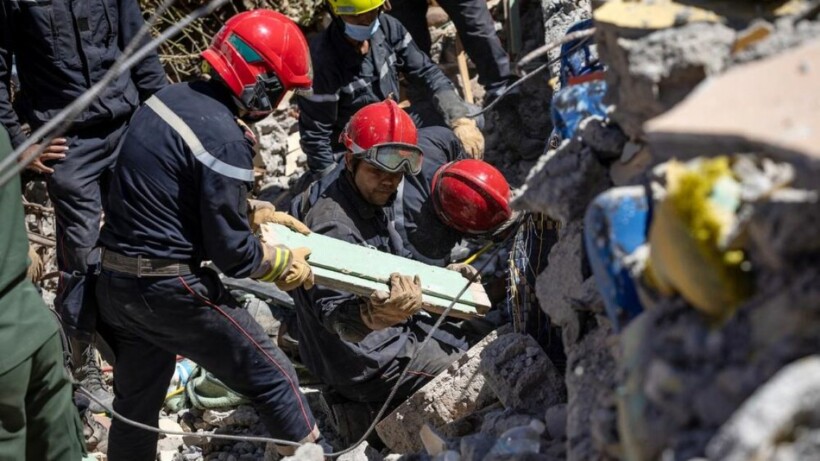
x: 360, y: 270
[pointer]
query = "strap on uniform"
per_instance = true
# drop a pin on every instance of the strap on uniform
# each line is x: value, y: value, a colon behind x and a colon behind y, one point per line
x: 193, y: 142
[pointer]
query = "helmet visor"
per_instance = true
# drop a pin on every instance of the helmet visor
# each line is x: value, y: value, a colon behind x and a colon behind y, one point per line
x: 395, y: 157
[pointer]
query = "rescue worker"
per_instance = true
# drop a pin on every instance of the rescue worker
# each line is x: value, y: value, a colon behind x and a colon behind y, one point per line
x: 178, y: 197
x: 359, y: 346
x: 451, y: 199
x: 61, y: 49
x: 37, y: 417
x: 358, y: 59
x: 475, y: 28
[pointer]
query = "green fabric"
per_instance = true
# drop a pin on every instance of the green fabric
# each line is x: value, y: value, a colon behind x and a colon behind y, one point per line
x: 25, y: 322
x: 38, y: 420
x: 205, y: 391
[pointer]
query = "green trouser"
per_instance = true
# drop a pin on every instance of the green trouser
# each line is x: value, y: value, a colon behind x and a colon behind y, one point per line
x: 38, y: 419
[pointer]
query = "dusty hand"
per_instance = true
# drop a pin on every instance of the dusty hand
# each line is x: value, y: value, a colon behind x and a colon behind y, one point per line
x: 54, y: 151
x: 384, y: 309
x: 467, y: 271
x: 470, y: 136
x: 298, y: 273
x: 260, y: 211
x: 36, y: 267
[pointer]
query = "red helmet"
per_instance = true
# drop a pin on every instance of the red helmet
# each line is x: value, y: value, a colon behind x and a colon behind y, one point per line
x: 384, y: 135
x: 260, y: 55
x: 471, y: 196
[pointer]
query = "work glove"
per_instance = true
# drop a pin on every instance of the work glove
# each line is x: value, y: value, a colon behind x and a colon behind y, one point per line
x: 470, y: 136
x: 467, y: 271
x: 260, y: 211
x: 383, y: 310
x: 36, y: 267
x: 299, y: 272
x: 288, y: 269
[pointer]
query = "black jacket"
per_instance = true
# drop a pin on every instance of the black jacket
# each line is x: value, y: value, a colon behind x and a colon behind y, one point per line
x: 345, y: 81
x: 63, y: 47
x: 170, y: 200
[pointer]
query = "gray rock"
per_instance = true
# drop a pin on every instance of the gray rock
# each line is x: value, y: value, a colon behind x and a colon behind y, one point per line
x: 454, y: 393
x: 590, y: 376
x: 770, y: 414
x: 556, y: 421
x: 651, y: 71
x: 521, y: 381
x: 307, y: 452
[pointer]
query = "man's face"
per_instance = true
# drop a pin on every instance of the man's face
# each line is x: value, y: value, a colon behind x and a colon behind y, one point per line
x: 375, y: 185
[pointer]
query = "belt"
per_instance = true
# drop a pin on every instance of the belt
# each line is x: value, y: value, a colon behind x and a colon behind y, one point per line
x: 145, y: 267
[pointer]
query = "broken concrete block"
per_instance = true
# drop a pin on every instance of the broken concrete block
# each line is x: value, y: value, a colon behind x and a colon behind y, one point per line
x: 780, y: 96
x: 590, y: 377
x: 563, y: 182
x: 307, y: 452
x: 362, y: 452
x: 454, y: 393
x: 770, y: 414
x: 520, y: 373
x: 562, y: 281
x: 648, y: 73
x: 243, y: 415
x: 433, y: 442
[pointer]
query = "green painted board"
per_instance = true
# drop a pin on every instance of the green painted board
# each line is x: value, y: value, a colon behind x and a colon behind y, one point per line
x: 360, y: 270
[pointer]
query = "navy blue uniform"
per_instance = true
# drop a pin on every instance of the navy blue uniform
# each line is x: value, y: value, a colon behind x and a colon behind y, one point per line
x: 345, y: 81
x: 475, y: 28
x: 61, y: 49
x: 424, y: 237
x: 179, y: 193
x: 334, y: 343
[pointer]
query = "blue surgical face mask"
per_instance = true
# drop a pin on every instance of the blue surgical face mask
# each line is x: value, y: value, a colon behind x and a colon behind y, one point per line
x: 361, y: 33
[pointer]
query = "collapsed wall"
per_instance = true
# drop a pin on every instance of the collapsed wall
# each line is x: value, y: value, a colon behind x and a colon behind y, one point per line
x: 667, y: 384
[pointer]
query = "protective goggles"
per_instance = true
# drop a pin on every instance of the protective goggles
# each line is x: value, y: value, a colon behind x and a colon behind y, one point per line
x: 394, y: 157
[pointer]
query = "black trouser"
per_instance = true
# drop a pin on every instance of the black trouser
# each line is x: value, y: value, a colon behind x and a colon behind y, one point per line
x: 475, y: 28
x: 76, y: 189
x: 37, y: 417
x: 150, y: 320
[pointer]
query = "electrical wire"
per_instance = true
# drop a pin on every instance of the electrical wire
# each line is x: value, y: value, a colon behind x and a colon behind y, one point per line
x: 470, y: 280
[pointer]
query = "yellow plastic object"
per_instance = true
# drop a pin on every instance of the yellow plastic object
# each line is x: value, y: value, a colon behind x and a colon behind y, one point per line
x: 353, y: 7
x: 659, y: 14
x: 688, y: 229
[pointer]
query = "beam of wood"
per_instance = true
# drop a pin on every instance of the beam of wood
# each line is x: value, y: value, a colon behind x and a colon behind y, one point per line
x: 360, y: 270
x: 40, y: 240
x: 461, y: 58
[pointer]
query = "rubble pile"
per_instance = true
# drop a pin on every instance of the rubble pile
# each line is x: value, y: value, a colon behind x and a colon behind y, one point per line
x: 667, y: 383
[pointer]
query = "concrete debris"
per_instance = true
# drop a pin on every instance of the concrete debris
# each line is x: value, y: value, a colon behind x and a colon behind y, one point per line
x: 556, y: 421
x: 563, y: 182
x: 590, y: 379
x: 521, y: 374
x: 307, y: 452
x: 242, y: 415
x: 456, y: 392
x: 559, y: 15
x: 562, y: 281
x: 771, y: 415
x: 650, y: 72
x: 780, y: 97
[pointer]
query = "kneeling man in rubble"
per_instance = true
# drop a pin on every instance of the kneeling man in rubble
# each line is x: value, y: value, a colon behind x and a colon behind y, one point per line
x: 360, y: 345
